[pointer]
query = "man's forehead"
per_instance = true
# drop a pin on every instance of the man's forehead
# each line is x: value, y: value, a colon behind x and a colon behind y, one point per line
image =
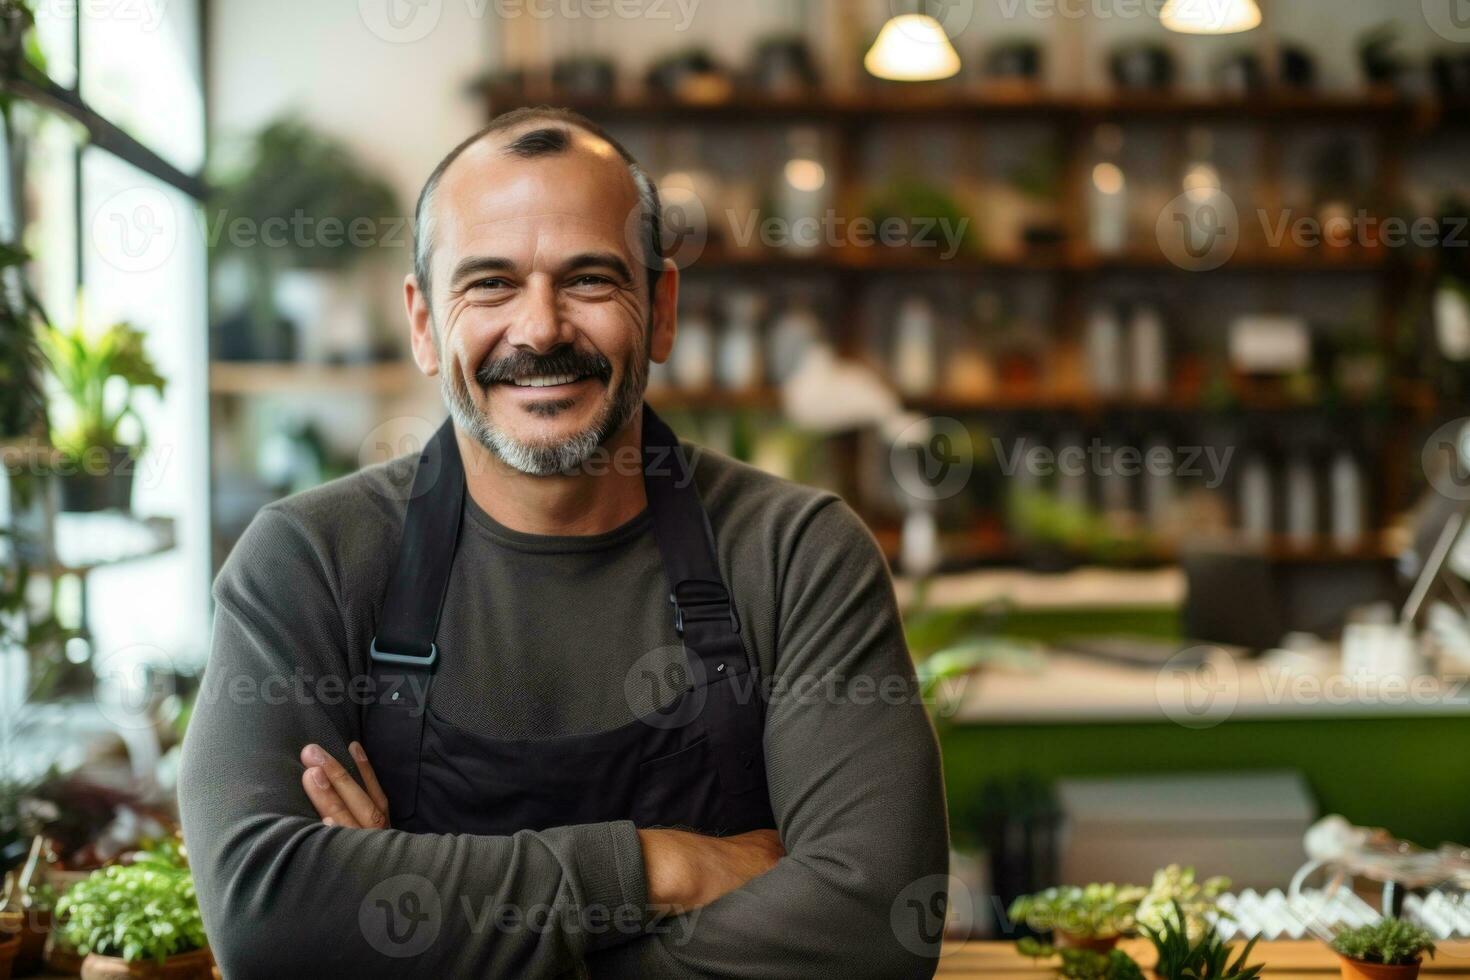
x: 490, y: 161
x: 587, y: 184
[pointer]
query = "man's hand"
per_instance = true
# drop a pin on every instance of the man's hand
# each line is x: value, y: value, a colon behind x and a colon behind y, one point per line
x: 339, y: 801
x: 687, y: 871
x: 684, y: 870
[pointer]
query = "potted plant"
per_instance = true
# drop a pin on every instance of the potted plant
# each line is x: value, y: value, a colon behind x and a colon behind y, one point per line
x: 1176, y: 887
x: 98, y: 374
x: 10, y: 941
x: 299, y: 213
x: 1083, y: 964
x: 29, y: 899
x: 22, y: 399
x: 1390, y: 949
x: 137, y: 920
x: 1205, y: 958
x: 1081, y: 917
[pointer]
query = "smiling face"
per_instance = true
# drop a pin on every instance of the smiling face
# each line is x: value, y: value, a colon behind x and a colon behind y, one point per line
x: 542, y: 323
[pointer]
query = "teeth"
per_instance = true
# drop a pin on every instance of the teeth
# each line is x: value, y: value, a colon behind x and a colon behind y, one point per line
x: 545, y: 380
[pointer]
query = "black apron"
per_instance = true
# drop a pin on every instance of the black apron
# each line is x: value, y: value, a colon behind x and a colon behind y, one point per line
x: 697, y: 764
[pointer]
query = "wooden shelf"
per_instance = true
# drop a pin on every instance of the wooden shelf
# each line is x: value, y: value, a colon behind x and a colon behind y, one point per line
x: 985, y: 544
x: 714, y: 399
x: 920, y: 103
x: 866, y: 261
x: 245, y: 378
x: 1409, y: 396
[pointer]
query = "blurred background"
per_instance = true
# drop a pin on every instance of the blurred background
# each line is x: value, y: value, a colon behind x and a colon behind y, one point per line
x: 1136, y: 332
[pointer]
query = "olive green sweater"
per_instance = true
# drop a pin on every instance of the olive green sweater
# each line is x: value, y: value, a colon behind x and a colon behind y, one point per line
x: 540, y: 637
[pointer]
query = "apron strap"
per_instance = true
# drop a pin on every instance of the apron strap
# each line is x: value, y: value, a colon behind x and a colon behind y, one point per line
x: 402, y: 656
x: 704, y: 615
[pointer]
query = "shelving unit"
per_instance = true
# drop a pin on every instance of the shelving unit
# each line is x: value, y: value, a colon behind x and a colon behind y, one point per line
x: 1392, y: 124
x: 242, y: 378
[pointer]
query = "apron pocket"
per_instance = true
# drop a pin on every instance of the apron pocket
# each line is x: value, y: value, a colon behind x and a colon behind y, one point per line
x: 681, y: 790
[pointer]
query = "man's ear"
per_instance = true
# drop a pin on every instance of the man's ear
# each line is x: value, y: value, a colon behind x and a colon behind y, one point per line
x: 665, y: 313
x: 421, y: 326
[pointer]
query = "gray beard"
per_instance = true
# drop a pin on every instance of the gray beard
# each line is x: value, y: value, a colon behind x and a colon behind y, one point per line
x: 546, y: 459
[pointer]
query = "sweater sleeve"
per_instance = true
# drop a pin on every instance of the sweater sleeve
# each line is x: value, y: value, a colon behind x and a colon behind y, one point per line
x: 282, y: 895
x: 856, y: 786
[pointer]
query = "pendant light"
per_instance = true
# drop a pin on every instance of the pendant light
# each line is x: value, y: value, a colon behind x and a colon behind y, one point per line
x: 1210, y: 16
x: 912, y: 48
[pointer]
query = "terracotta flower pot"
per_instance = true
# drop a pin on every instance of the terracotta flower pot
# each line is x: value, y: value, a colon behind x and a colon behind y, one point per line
x: 196, y: 965
x: 1070, y: 940
x: 9, y: 950
x: 1360, y: 970
x: 34, y: 929
x: 61, y: 958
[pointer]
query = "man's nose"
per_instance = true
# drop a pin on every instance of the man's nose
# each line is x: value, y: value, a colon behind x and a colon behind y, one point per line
x: 540, y: 325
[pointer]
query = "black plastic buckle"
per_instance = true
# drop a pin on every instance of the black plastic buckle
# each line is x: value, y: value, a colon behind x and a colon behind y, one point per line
x: 403, y: 659
x: 715, y: 599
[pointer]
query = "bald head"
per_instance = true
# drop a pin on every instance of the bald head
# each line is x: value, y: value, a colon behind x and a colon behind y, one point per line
x: 531, y: 133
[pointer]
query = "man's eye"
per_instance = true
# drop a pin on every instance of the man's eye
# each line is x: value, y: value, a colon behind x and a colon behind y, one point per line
x: 591, y: 280
x: 492, y: 283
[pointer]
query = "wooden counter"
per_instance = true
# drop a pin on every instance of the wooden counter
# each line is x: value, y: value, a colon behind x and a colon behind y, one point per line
x: 1286, y: 960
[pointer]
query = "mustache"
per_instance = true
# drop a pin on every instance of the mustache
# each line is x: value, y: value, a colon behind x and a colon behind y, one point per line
x: 528, y: 364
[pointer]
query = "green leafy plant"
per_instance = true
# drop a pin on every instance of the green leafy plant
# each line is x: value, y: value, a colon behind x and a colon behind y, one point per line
x: 1208, y: 958
x: 295, y: 177
x: 1097, y: 911
x: 98, y: 372
x: 1083, y: 964
x: 143, y: 911
x: 22, y: 398
x: 1177, y: 887
x: 1392, y: 942
x: 909, y: 199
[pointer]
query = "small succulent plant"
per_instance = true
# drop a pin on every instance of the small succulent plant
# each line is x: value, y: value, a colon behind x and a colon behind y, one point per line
x: 1083, y: 964
x: 1392, y: 942
x: 1097, y: 911
x: 1208, y: 958
x: 1178, y: 886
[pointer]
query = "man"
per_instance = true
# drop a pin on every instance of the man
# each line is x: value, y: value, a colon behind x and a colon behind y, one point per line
x: 558, y: 695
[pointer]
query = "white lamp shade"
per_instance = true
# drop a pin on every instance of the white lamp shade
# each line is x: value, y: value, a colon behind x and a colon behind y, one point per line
x: 912, y: 48
x: 1210, y: 16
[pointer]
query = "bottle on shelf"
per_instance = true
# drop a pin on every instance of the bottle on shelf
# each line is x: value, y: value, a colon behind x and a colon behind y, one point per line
x: 1346, y: 482
x: 1207, y: 212
x: 1301, y: 499
x: 691, y: 365
x: 739, y: 359
x: 1148, y: 362
x: 1256, y: 500
x: 803, y: 193
x: 914, y: 360
x: 794, y: 331
x: 1104, y: 348
x: 1107, y: 193
x: 1159, y: 490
